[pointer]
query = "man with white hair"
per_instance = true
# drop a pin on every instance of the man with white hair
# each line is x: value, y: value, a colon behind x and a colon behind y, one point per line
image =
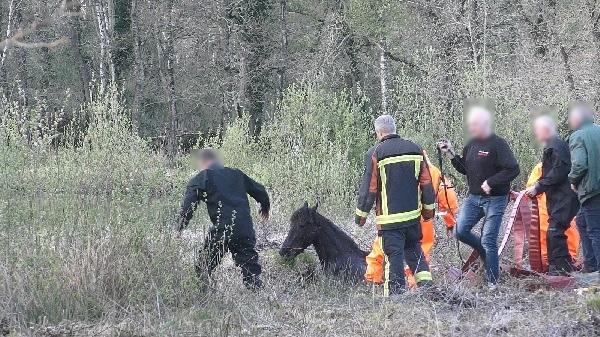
x: 561, y: 201
x: 398, y: 180
x: 490, y: 167
x: 584, y: 144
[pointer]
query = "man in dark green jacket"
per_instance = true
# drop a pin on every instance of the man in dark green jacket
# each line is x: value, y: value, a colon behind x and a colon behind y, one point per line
x: 584, y: 144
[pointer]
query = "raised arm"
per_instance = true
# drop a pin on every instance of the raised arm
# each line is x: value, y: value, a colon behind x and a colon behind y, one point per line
x: 459, y: 161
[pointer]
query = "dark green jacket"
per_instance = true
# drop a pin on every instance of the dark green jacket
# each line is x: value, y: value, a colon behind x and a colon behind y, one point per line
x: 585, y: 157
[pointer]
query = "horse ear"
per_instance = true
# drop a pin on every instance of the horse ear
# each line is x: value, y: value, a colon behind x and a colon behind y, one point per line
x: 314, y: 208
x: 305, y: 204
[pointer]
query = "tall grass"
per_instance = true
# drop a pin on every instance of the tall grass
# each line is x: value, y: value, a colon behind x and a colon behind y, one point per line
x: 84, y: 229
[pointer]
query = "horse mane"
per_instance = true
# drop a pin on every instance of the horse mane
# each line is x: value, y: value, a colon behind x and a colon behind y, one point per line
x: 334, y: 232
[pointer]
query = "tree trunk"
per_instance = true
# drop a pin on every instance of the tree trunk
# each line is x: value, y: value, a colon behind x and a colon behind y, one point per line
x: 282, y: 69
x: 383, y: 76
x: 106, y: 59
x: 123, y: 36
x: 564, y: 55
x: 224, y: 63
x: 9, y: 32
x: 139, y: 71
x: 73, y: 31
x: 254, y: 19
x: 166, y: 54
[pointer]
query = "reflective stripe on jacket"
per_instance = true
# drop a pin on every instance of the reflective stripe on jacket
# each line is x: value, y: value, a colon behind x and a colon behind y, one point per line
x: 398, y: 181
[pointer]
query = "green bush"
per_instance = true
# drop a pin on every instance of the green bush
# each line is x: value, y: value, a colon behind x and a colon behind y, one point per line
x: 312, y: 149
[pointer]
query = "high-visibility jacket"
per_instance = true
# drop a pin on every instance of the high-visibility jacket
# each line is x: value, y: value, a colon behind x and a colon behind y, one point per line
x: 397, y: 179
x: 572, y: 233
x: 447, y: 203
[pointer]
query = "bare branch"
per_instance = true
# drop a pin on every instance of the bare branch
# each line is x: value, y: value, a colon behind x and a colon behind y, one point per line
x: 33, y: 45
x: 66, y: 9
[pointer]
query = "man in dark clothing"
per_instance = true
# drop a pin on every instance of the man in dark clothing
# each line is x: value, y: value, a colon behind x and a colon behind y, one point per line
x: 561, y: 201
x: 398, y: 180
x: 490, y: 167
x: 584, y: 144
x: 225, y: 191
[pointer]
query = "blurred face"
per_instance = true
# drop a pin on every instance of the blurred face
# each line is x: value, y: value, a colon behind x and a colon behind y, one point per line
x: 202, y: 165
x: 542, y: 131
x: 575, y: 120
x: 478, y: 126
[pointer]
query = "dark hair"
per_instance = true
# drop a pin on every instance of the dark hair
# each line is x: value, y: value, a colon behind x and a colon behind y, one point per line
x: 206, y: 155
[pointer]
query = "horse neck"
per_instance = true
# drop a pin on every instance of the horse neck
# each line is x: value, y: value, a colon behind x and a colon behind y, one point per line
x: 334, y: 243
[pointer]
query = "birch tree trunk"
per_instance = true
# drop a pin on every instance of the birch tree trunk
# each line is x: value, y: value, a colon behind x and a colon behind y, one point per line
x: 9, y: 32
x: 383, y: 76
x: 106, y: 60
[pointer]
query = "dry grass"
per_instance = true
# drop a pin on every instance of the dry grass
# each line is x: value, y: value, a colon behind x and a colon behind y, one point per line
x: 291, y: 305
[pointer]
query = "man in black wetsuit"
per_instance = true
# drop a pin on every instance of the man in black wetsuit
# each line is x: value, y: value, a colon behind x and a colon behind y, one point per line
x: 225, y: 191
x: 561, y: 201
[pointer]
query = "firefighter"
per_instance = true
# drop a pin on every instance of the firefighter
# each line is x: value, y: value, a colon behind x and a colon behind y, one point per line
x: 561, y: 202
x: 397, y: 179
x: 225, y: 191
x: 447, y: 203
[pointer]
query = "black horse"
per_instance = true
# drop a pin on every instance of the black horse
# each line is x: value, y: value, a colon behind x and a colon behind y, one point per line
x: 338, y: 253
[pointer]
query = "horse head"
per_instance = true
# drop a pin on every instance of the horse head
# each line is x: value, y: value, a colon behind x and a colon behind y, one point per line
x: 304, y: 231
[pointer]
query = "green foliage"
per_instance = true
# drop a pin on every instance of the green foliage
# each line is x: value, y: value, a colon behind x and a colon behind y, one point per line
x: 312, y: 149
x: 85, y: 229
x: 373, y: 18
x: 594, y: 304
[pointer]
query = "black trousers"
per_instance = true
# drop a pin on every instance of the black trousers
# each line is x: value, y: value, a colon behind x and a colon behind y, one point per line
x: 399, y: 246
x: 240, y: 242
x: 559, y: 258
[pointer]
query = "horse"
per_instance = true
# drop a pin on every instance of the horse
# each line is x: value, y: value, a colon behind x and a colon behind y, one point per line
x: 338, y: 254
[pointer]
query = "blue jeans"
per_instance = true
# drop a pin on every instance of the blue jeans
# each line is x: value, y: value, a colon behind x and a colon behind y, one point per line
x: 588, y: 223
x: 473, y: 209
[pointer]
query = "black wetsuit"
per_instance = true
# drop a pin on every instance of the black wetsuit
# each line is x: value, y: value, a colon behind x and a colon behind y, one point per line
x: 561, y: 202
x: 225, y: 191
